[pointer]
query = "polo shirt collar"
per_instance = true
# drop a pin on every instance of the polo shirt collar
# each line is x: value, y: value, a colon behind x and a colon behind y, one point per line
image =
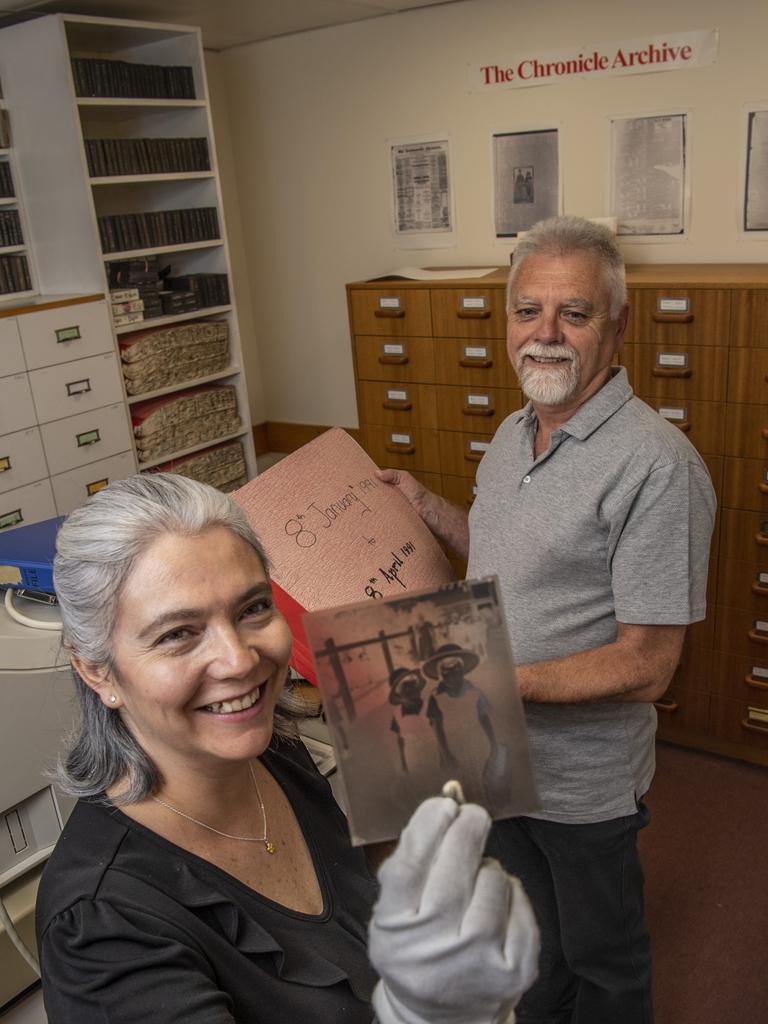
x: 608, y: 400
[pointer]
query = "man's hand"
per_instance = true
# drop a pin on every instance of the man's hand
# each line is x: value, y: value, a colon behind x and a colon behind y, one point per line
x: 446, y: 521
x: 453, y: 936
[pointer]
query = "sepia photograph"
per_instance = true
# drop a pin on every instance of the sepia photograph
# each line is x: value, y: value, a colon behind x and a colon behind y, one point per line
x: 418, y: 691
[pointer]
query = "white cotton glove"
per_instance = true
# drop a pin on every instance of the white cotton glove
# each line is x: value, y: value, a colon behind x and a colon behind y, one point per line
x: 452, y: 937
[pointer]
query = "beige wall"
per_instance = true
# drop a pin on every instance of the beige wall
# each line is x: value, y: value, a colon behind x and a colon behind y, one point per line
x: 311, y: 114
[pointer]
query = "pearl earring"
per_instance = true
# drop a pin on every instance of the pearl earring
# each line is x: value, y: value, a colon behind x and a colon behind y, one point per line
x: 112, y: 699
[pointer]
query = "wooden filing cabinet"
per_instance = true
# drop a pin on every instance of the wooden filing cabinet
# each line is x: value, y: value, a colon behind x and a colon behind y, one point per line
x: 64, y: 428
x: 434, y: 382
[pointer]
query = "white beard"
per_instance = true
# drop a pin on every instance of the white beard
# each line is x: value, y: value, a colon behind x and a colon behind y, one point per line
x: 549, y: 385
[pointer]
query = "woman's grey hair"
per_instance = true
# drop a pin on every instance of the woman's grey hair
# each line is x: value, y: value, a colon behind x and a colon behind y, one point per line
x: 566, y: 236
x: 96, y: 549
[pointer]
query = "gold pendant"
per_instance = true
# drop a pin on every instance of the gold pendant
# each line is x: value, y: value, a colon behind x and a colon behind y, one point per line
x: 269, y: 846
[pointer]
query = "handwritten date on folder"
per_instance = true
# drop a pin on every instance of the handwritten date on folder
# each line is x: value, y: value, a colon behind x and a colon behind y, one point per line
x: 336, y: 535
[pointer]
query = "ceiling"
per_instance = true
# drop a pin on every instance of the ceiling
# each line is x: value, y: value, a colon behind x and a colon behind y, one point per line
x: 224, y: 23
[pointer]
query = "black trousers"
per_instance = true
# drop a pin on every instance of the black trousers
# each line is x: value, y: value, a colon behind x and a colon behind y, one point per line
x: 585, y: 885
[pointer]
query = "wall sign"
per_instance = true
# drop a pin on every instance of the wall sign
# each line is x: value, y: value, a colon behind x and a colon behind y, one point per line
x: 672, y: 52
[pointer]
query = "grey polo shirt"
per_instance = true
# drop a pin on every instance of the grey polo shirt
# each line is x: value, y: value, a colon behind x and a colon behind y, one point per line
x: 611, y: 524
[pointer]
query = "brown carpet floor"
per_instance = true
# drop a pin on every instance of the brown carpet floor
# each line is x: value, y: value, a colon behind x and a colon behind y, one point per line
x: 705, y: 856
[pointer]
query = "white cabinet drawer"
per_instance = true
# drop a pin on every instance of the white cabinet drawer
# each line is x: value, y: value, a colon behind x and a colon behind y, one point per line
x: 11, y: 356
x: 80, y: 386
x: 52, y: 336
x: 81, y: 439
x: 17, y: 410
x: 25, y: 505
x: 21, y: 459
x: 73, y: 489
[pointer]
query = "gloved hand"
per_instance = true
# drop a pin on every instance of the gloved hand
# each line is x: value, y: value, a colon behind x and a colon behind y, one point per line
x: 452, y: 937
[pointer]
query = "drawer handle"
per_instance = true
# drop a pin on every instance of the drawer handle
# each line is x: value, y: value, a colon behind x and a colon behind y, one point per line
x: 754, y: 728
x: 759, y: 589
x: 393, y: 360
x: 477, y: 410
x: 764, y: 431
x: 758, y: 636
x: 397, y: 403
x: 474, y: 314
x: 671, y: 371
x: 473, y: 456
x: 78, y: 387
x: 762, y: 487
x: 484, y: 364
x: 389, y: 313
x: 761, y: 539
x: 667, y: 704
x: 67, y: 334
x: 400, y: 449
x: 5, y: 463
x: 756, y: 684
x: 11, y: 519
x: 672, y: 318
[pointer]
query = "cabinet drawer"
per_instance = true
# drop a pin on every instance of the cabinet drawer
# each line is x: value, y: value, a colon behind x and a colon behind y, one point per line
x: 473, y: 363
x: 748, y: 375
x: 702, y: 422
x: 745, y: 484
x: 741, y: 632
x: 461, y: 452
x: 25, y: 505
x: 702, y: 634
x: 11, y: 356
x: 475, y: 408
x: 739, y: 721
x: 17, y: 410
x: 401, y: 359
x: 677, y: 372
x: 469, y: 312
x: 398, y: 405
x: 21, y: 459
x: 460, y: 490
x: 743, y: 585
x: 390, y: 311
x: 52, y: 336
x: 744, y: 537
x: 750, y: 318
x: 681, y: 710
x: 81, y: 439
x: 403, y: 449
x: 714, y: 464
x: 746, y: 430
x: 80, y: 386
x: 693, y: 672
x: 679, y: 316
x: 744, y: 678
x: 73, y: 488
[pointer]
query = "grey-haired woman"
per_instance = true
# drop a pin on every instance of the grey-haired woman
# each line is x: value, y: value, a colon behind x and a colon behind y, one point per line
x: 205, y: 874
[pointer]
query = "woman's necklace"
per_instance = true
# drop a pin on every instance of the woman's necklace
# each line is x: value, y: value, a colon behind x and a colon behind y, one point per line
x: 269, y: 846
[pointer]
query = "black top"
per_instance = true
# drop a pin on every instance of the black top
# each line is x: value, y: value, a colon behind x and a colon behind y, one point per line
x: 132, y: 928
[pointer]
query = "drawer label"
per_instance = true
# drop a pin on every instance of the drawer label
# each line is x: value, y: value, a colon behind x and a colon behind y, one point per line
x: 96, y: 485
x: 479, y: 446
x: 87, y: 437
x: 67, y: 334
x: 400, y: 438
x: 475, y: 352
x: 5, y: 463
x: 762, y: 578
x: 672, y: 412
x: 759, y: 672
x: 478, y: 400
x: 11, y: 518
x: 393, y: 350
x: 474, y: 490
x: 673, y: 305
x: 473, y: 302
x: 389, y: 302
x: 397, y: 396
x: 78, y: 387
x: 761, y: 626
x: 757, y: 714
x: 672, y: 359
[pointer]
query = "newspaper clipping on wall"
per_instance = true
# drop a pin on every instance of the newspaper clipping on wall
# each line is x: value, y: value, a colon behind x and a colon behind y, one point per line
x: 526, y: 180
x: 648, y: 170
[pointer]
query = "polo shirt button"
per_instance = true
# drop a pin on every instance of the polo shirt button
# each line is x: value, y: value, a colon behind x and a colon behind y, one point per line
x: 526, y: 479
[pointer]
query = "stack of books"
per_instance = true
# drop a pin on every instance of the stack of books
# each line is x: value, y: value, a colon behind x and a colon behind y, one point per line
x: 127, y: 306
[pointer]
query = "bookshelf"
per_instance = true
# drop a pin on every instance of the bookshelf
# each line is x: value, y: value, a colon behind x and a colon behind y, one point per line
x: 16, y: 270
x: 133, y: 191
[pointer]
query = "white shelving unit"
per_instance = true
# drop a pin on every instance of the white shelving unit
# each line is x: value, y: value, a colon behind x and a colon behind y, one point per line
x: 14, y: 202
x: 63, y: 202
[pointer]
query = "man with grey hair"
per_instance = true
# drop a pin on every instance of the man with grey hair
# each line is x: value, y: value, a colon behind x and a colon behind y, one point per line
x: 596, y: 515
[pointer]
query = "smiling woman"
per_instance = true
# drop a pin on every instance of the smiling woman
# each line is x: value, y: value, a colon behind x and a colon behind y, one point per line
x: 206, y: 874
